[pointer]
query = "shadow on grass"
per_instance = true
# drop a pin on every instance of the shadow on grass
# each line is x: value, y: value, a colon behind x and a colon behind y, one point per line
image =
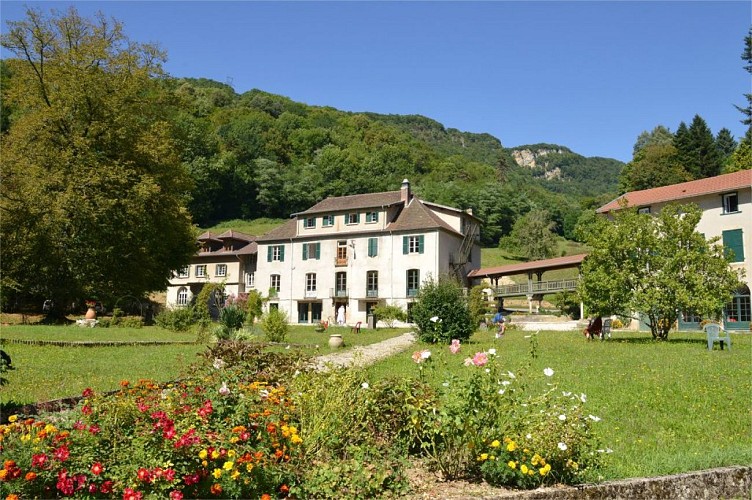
x: 650, y: 340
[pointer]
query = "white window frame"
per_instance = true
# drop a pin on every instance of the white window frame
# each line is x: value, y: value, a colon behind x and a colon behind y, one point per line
x: 200, y: 271
x: 643, y: 210
x: 309, y: 223
x: 184, y: 272
x: 276, y: 253
x: 250, y: 280
x: 275, y: 282
x: 727, y: 206
x: 310, y: 282
x: 327, y: 221
x: 413, y: 244
x: 414, y: 278
x: 182, y: 296
x: 351, y: 219
x: 372, y: 217
x: 220, y: 270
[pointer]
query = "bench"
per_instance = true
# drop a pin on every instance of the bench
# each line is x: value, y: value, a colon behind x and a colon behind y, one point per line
x: 714, y: 333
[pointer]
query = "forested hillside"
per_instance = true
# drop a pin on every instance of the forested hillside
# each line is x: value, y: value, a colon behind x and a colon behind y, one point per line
x: 263, y: 155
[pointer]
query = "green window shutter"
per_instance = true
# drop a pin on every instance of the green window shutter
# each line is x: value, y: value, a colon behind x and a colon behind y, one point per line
x: 733, y: 241
x: 318, y: 251
x: 420, y: 244
x: 305, y: 251
x: 269, y: 253
x: 404, y: 245
x: 281, y: 253
x: 373, y: 247
x: 357, y: 218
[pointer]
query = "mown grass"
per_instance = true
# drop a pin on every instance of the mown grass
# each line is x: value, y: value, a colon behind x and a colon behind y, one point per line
x: 667, y: 407
x: 255, y: 227
x: 44, y: 373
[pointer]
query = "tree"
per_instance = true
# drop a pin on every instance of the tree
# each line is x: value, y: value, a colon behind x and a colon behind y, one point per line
x: 534, y: 234
x: 725, y: 143
x: 659, y: 135
x: 697, y: 150
x: 653, y: 166
x: 655, y: 265
x: 747, y: 58
x: 92, y: 193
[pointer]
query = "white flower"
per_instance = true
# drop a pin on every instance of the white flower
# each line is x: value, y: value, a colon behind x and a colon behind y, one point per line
x: 287, y: 347
x: 562, y: 446
x: 264, y: 393
x: 548, y: 372
x: 165, y: 393
x: 445, y: 384
x: 297, y: 372
x: 566, y: 393
x: 529, y: 436
x: 492, y: 352
x: 511, y: 375
x: 435, y: 319
x: 505, y: 382
x: 594, y: 418
x: 218, y: 364
x: 425, y: 354
x: 488, y: 370
x: 583, y: 398
x: 562, y: 417
x: 224, y: 390
x: 501, y: 391
x: 364, y: 385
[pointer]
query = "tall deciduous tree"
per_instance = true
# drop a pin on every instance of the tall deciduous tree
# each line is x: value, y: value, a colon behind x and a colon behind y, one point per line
x: 659, y: 135
x: 656, y: 266
x: 92, y: 193
x: 534, y: 234
x: 655, y: 165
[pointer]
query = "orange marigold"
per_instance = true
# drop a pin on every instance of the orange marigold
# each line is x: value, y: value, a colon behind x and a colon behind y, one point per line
x: 30, y: 476
x: 12, y: 496
x: 216, y: 489
x: 266, y: 496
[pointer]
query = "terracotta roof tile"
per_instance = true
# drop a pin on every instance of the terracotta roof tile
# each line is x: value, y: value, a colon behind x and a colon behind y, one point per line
x: 691, y: 189
x: 236, y: 235
x: 355, y: 201
x: 284, y: 232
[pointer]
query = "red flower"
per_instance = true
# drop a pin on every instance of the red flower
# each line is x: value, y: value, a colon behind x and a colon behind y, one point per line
x: 93, y: 488
x: 79, y: 426
x: 106, y: 487
x: 144, y: 475
x: 97, y: 468
x: 191, y: 479
x: 86, y: 410
x: 30, y: 476
x: 176, y: 495
x: 142, y: 407
x: 62, y: 453
x: 94, y: 429
x: 169, y: 475
x: 87, y: 392
x: 38, y: 460
x: 131, y: 494
x: 284, y: 489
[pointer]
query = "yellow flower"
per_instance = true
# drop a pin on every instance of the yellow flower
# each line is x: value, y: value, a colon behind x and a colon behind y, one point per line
x: 296, y: 439
x: 217, y: 473
x: 12, y: 418
x: 234, y: 439
x: 483, y: 457
x: 228, y: 465
x: 215, y: 455
x: 204, y: 463
x: 512, y: 464
x: 49, y: 429
x: 249, y: 467
x: 25, y: 438
x: 231, y: 453
x: 202, y: 454
x: 531, y: 472
x: 235, y: 474
x: 495, y: 443
x: 544, y: 470
x: 524, y: 469
x: 536, y: 459
x: 511, y: 446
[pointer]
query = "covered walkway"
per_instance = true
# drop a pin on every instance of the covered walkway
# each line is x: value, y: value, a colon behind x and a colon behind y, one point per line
x: 533, y: 290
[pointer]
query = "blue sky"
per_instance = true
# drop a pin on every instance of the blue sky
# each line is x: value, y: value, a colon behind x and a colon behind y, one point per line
x: 587, y: 75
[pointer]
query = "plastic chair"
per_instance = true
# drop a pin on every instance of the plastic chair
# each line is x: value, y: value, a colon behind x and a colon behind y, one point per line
x: 606, y: 329
x: 713, y: 333
x: 356, y: 328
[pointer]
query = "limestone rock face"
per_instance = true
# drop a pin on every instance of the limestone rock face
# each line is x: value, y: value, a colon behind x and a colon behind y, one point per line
x: 528, y: 158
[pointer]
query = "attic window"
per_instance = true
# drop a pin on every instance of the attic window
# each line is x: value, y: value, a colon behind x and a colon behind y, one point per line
x: 643, y: 210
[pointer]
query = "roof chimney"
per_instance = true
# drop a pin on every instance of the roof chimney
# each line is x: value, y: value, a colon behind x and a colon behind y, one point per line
x: 405, y: 194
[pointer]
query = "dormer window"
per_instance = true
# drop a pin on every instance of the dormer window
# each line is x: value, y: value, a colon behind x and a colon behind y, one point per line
x: 730, y: 203
x: 352, y: 218
x: 372, y: 216
x: 309, y: 222
x: 327, y: 221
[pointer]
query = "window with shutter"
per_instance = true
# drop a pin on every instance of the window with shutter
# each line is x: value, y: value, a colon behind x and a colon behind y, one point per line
x: 733, y: 243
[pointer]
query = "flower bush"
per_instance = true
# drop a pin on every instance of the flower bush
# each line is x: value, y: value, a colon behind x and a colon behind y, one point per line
x: 218, y: 434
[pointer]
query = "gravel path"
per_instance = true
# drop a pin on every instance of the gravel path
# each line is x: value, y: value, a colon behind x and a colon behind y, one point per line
x: 367, y: 354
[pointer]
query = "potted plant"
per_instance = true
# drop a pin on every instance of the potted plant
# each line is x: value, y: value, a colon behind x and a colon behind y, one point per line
x: 321, y: 326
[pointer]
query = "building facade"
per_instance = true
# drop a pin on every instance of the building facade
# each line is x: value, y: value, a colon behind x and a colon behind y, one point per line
x: 357, y: 252
x: 726, y: 204
x: 228, y: 258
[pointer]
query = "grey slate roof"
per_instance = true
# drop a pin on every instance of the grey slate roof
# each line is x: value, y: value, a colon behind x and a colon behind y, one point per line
x: 354, y: 202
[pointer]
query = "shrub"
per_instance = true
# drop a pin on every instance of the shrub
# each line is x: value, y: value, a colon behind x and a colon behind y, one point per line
x: 441, y: 312
x: 176, y: 320
x: 254, y: 307
x: 477, y: 305
x: 274, y: 324
x: 208, y: 299
x: 232, y: 317
x: 566, y: 303
x: 389, y: 314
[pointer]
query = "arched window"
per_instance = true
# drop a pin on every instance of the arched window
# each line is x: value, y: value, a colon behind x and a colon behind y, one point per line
x: 183, y: 296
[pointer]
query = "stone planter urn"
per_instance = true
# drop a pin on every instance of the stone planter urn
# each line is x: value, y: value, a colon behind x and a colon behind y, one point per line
x: 336, y: 341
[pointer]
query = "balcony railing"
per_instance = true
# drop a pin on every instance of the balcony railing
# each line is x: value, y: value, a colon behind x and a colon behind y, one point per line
x: 340, y: 261
x: 412, y: 292
x: 338, y: 292
x: 310, y: 294
x: 372, y: 294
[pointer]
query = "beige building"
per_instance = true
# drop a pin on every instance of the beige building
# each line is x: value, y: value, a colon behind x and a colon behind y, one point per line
x: 356, y: 252
x: 726, y: 204
x: 229, y: 257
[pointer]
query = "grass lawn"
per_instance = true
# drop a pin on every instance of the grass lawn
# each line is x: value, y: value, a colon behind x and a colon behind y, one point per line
x: 666, y: 407
x: 44, y: 373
